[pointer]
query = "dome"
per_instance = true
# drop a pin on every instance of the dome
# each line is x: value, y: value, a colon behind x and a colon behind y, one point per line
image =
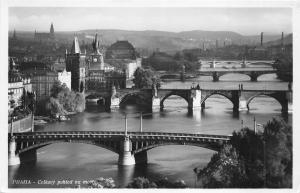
x: 121, y: 50
x: 122, y: 45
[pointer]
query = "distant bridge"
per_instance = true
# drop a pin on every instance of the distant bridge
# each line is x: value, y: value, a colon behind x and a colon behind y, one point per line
x: 132, y: 147
x: 253, y: 73
x: 195, y: 97
x: 217, y: 72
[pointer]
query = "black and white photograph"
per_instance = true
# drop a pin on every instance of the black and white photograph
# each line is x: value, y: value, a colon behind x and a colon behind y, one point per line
x: 156, y: 97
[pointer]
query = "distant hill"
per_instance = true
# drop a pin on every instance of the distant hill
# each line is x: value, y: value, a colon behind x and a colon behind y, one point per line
x: 164, y: 41
x: 286, y: 40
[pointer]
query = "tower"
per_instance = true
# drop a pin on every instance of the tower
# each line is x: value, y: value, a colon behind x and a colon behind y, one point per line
x: 14, y: 35
x: 97, y: 55
x: 261, y: 38
x: 282, y: 36
x: 75, y: 63
x: 51, y: 31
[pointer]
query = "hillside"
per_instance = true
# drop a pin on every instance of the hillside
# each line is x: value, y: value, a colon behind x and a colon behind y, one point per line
x: 170, y: 42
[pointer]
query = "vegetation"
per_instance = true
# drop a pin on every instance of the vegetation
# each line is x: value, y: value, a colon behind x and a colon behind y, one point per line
x: 253, y: 160
x: 145, y: 78
x: 102, y: 183
x: 162, y: 61
x: 141, y: 182
x: 284, y: 65
x: 64, y: 101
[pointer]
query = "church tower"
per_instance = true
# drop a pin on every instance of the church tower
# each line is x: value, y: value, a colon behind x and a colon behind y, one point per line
x: 52, y: 31
x: 75, y: 63
x: 97, y: 56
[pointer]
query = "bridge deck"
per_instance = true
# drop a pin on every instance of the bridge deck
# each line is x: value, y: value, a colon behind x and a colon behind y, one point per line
x: 233, y: 70
x: 132, y: 135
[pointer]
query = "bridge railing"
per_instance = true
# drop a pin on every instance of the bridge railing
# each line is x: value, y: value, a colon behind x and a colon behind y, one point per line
x: 119, y: 133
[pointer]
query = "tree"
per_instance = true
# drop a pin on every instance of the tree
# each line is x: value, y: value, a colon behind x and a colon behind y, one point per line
x: 145, y: 78
x: 257, y: 160
x: 102, y: 183
x: 141, y: 182
x: 224, y: 170
x: 63, y: 100
x: 278, y: 151
x: 284, y: 65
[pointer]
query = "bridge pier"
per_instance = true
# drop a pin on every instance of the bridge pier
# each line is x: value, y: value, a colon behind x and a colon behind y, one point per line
x: 253, y: 76
x: 242, y: 103
x: 290, y: 100
x: 126, y: 158
x: 114, y: 103
x: 13, y: 158
x: 213, y: 64
x: 195, y: 99
x: 155, y: 103
x: 215, y: 77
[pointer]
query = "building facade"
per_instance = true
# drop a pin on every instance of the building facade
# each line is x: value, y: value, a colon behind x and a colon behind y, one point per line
x: 123, y: 56
x: 101, y: 75
x: 76, y: 64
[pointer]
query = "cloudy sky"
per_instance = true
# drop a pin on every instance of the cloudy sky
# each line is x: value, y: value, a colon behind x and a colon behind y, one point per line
x: 247, y: 21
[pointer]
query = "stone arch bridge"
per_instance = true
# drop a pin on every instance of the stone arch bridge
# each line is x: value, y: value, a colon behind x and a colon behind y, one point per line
x: 195, y: 98
x: 252, y: 73
x: 132, y: 147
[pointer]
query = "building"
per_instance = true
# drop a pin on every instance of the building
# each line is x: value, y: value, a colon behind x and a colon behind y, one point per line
x: 42, y: 79
x: 101, y: 75
x: 123, y: 56
x: 17, y: 85
x: 259, y: 52
x: 41, y: 37
x: 121, y: 50
x: 76, y: 64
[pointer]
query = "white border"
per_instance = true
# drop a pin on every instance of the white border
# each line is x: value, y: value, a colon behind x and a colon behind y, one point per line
x: 145, y: 3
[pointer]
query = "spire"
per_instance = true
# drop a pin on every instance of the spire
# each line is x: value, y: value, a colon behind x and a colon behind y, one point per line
x: 75, y: 46
x: 51, y: 29
x: 14, y: 35
x: 282, y: 36
x: 96, y: 44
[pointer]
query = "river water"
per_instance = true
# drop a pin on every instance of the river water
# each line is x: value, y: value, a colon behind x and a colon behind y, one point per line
x: 67, y: 161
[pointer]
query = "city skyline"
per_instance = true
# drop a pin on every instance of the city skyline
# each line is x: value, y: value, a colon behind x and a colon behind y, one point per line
x: 246, y: 21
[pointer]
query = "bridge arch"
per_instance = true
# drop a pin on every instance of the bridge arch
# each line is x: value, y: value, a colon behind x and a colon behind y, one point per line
x: 265, y: 73
x: 113, y: 148
x: 154, y: 145
x: 239, y: 73
x: 182, y: 95
x: 217, y: 93
x: 278, y: 99
x: 135, y: 95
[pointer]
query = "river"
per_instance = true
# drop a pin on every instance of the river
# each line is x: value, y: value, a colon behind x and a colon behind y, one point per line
x: 67, y: 161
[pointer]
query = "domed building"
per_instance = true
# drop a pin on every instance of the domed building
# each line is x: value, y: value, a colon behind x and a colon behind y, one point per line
x: 121, y: 50
x: 123, y: 56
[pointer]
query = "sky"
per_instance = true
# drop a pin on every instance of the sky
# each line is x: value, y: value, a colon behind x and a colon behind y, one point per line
x: 246, y: 21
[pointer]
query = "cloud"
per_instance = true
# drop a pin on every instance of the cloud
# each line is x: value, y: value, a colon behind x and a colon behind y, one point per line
x: 242, y: 20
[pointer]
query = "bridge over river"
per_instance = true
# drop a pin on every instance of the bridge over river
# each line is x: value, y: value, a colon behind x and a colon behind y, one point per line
x: 132, y: 147
x: 195, y: 97
x: 253, y: 73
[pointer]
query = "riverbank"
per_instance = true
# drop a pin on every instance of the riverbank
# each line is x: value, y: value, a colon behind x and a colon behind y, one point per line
x: 49, y: 119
